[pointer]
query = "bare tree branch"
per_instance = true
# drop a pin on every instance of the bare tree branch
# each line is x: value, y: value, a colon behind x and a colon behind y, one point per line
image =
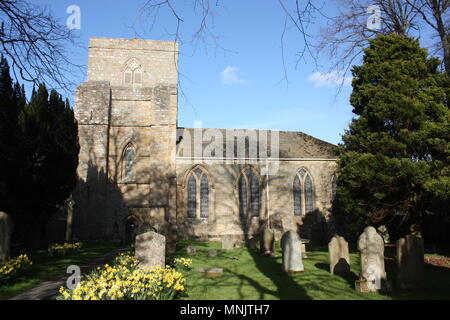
x: 37, y: 44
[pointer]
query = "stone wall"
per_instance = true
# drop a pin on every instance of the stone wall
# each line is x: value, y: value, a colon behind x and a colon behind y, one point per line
x: 224, y: 218
x: 114, y: 114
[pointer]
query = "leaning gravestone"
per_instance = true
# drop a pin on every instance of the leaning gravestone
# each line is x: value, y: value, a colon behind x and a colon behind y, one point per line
x: 6, y: 229
x: 292, y: 253
x: 373, y: 274
x: 267, y: 242
x: 339, y: 255
x: 410, y: 259
x: 228, y: 242
x: 150, y: 250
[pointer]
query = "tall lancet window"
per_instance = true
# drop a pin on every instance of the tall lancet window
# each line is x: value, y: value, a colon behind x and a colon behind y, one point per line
x: 333, y: 187
x: 303, y: 192
x: 198, y: 194
x: 129, y: 156
x: 249, y: 194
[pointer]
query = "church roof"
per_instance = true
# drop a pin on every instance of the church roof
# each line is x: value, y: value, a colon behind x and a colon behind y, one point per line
x: 292, y: 145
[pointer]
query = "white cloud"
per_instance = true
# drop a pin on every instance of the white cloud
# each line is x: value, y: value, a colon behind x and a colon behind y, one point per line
x: 330, y: 79
x: 232, y: 75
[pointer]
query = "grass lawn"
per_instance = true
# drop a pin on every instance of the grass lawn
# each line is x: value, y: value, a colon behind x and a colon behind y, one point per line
x: 254, y: 277
x: 46, y: 268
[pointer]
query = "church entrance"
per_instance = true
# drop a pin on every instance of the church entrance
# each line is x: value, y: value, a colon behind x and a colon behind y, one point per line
x: 131, y: 226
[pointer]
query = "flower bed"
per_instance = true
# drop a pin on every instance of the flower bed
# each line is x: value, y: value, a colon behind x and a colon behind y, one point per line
x: 124, y: 280
x: 11, y: 268
x: 63, y: 249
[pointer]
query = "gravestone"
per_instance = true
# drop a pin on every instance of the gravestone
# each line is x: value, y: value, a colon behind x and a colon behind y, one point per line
x: 212, y: 253
x: 371, y: 247
x: 339, y: 255
x: 150, y: 250
x: 267, y: 242
x: 228, y: 242
x: 410, y: 260
x: 211, y: 272
x: 253, y: 243
x: 6, y: 229
x: 191, y: 250
x: 292, y: 253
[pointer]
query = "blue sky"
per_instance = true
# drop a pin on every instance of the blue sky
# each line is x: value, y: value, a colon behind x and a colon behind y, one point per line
x: 234, y: 88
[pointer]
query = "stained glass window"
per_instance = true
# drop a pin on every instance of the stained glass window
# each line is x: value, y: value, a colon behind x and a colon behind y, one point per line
x: 255, y: 195
x: 333, y: 187
x: 297, y: 196
x: 192, y: 197
x: 198, y: 194
x: 204, y: 197
x: 249, y: 194
x: 128, y: 157
x: 242, y: 196
x: 303, y: 193
x: 309, y: 197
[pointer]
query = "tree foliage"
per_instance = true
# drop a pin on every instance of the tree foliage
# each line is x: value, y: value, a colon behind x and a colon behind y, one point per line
x: 394, y: 160
x: 39, y: 152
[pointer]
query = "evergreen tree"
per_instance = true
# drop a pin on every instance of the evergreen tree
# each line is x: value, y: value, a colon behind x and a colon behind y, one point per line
x: 49, y: 156
x: 38, y: 154
x: 394, y: 160
x: 12, y: 100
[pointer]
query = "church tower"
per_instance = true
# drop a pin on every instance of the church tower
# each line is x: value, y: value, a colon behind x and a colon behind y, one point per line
x: 127, y: 122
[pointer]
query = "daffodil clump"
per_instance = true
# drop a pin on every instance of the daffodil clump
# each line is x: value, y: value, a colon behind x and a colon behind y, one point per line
x: 124, y: 280
x: 13, y: 266
x: 63, y: 249
x: 182, y: 263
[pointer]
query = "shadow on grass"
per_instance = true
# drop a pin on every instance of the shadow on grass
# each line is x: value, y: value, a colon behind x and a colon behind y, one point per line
x: 350, y: 276
x: 287, y: 288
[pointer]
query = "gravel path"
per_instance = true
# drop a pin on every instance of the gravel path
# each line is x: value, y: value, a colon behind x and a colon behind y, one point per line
x: 48, y: 290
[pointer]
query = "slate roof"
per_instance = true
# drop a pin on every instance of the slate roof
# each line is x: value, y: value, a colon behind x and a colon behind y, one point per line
x: 292, y: 145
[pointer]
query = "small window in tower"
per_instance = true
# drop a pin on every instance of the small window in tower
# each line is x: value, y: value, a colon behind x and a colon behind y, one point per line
x: 128, y: 75
x: 138, y: 77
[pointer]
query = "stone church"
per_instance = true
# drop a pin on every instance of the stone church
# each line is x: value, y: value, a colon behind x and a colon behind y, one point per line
x: 137, y: 166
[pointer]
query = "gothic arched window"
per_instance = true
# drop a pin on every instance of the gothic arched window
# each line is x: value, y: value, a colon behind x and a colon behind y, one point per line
x: 198, y: 194
x: 128, y: 162
x: 333, y: 187
x: 249, y: 194
x: 132, y: 74
x: 303, y: 192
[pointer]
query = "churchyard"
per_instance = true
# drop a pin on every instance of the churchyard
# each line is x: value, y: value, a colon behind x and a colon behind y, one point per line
x: 260, y: 270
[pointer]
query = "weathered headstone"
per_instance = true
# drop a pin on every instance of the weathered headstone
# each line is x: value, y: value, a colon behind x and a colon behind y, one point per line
x: 150, y: 250
x: 212, y: 253
x: 292, y: 253
x: 410, y: 260
x: 339, y: 255
x: 228, y: 242
x: 267, y: 242
x: 211, y: 272
x: 6, y: 229
x: 371, y: 247
x: 191, y: 250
